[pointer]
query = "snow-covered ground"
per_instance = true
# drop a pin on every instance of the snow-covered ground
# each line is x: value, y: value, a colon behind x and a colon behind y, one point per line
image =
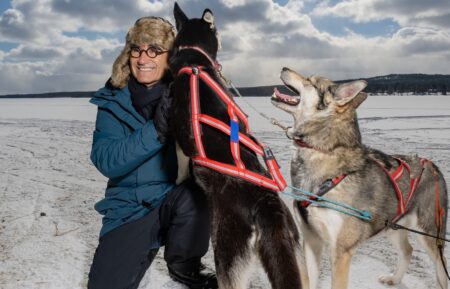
x: 49, y: 229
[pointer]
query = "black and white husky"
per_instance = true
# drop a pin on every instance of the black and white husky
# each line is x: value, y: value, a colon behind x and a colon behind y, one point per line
x: 248, y: 221
x: 328, y: 145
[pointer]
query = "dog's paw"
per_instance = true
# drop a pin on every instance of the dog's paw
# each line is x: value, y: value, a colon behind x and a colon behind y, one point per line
x: 390, y: 279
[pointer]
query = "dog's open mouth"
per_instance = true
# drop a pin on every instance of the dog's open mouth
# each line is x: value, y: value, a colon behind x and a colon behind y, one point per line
x: 284, y: 98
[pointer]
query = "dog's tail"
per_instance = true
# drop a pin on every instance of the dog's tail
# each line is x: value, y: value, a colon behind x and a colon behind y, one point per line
x: 441, y: 198
x: 278, y: 244
x: 441, y: 201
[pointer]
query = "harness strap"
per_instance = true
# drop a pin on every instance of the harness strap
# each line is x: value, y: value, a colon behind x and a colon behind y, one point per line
x: 245, y: 140
x: 324, y: 188
x: 274, y: 168
x: 398, y: 173
x: 244, y: 174
x: 440, y: 212
x: 234, y: 139
x: 195, y: 105
x: 413, y: 184
x: 276, y: 183
x: 225, y: 98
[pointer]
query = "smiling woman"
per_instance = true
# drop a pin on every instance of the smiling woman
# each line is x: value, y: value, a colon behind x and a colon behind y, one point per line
x: 146, y: 33
x: 149, y: 67
x: 143, y: 209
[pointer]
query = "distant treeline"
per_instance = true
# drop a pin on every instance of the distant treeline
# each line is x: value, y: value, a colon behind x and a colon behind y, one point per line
x: 387, y: 84
x: 76, y: 94
x: 409, y: 83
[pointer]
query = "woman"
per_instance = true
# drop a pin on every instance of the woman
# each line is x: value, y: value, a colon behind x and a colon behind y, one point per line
x: 143, y: 209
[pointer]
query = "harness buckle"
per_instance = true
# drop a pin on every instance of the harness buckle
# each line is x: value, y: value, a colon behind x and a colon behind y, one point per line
x: 325, y: 186
x: 195, y: 70
x: 268, y: 154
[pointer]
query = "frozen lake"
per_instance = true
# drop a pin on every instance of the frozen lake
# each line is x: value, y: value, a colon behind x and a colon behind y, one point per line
x: 375, y: 106
x: 49, y: 229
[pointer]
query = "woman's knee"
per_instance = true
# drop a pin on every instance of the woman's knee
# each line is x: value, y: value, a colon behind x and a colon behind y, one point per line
x: 189, y: 199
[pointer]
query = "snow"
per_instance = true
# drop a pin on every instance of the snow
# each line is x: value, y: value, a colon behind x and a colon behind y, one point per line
x: 49, y: 229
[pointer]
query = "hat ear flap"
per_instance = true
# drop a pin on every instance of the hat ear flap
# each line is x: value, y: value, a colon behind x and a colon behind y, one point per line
x: 121, y: 69
x: 180, y: 17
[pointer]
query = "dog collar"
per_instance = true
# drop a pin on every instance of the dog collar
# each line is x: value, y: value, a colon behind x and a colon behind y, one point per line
x: 217, y: 66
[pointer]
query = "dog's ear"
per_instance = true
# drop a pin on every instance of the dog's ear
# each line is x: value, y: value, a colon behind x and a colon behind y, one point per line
x: 208, y: 17
x: 180, y: 17
x: 348, y: 91
x: 359, y: 98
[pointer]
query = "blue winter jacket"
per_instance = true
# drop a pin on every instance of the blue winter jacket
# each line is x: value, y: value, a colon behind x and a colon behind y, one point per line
x: 126, y: 150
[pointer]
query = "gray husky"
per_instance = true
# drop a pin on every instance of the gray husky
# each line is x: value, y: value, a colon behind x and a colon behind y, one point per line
x: 330, y: 159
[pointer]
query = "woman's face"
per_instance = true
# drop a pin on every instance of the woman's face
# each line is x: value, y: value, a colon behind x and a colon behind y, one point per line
x: 148, y: 70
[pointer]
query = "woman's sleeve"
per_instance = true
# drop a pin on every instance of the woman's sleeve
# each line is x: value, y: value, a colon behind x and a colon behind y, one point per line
x: 116, y: 153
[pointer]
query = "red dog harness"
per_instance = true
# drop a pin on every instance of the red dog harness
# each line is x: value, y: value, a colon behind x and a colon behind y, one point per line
x: 276, y: 182
x: 413, y: 184
x: 329, y: 184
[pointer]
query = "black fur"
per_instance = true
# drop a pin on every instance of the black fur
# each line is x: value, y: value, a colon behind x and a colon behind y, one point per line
x: 240, y: 210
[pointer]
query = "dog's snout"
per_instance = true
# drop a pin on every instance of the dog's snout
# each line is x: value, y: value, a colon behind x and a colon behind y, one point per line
x: 285, y: 69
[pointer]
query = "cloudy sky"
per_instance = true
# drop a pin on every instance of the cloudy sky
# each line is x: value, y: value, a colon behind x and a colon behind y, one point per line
x: 70, y: 45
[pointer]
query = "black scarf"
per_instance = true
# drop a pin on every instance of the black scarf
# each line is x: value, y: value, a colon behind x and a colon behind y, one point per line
x: 145, y: 99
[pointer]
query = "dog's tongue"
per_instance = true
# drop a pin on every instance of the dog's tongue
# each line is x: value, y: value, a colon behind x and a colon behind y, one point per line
x: 284, y: 97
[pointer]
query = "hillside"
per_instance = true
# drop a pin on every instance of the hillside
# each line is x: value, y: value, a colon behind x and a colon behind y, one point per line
x: 387, y: 84
x: 409, y: 83
x: 76, y: 94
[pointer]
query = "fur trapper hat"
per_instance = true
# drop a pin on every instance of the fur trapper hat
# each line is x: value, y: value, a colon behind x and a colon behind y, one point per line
x: 147, y: 30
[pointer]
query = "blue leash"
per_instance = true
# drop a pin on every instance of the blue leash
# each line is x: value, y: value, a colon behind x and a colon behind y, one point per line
x: 340, y: 207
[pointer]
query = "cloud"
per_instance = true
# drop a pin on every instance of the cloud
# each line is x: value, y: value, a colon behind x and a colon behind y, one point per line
x: 78, y: 65
x: 13, y: 26
x: 108, y: 15
x: 46, y: 59
x: 33, y: 52
x: 413, y: 40
x: 62, y: 45
x: 435, y: 13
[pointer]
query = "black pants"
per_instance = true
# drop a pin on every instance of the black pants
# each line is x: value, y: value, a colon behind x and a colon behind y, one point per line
x: 181, y: 222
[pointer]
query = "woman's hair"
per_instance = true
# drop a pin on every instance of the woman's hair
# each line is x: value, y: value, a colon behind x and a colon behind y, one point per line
x: 147, y: 30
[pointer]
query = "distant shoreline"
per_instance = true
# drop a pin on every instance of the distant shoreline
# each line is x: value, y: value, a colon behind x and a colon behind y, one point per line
x: 418, y: 84
x: 74, y: 94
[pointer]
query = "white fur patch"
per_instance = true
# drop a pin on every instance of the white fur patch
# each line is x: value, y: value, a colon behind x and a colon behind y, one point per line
x: 308, y: 103
x: 328, y: 223
x: 242, y: 267
x: 209, y: 18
